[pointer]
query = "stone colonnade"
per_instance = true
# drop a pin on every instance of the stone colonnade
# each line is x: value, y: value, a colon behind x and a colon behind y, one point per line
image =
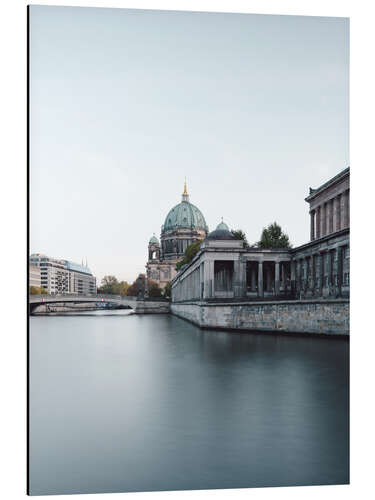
x: 323, y: 273
x: 305, y: 273
x: 330, y: 216
x: 250, y: 277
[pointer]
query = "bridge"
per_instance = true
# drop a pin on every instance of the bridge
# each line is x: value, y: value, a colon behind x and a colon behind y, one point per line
x: 140, y: 305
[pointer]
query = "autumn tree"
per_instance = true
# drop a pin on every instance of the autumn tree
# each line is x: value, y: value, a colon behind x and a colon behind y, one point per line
x: 154, y: 289
x: 37, y: 290
x: 111, y: 286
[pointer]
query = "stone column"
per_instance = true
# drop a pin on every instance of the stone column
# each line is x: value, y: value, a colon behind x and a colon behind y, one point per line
x: 208, y: 279
x: 313, y: 273
x: 346, y: 209
x: 339, y: 270
x: 336, y: 214
x: 239, y: 278
x: 322, y: 255
x: 260, y: 280
x: 212, y: 278
x: 318, y: 216
x: 329, y: 229
x: 277, y: 278
x: 342, y: 211
x: 300, y: 274
x: 308, y: 273
x: 330, y: 270
x: 312, y: 225
x: 323, y: 220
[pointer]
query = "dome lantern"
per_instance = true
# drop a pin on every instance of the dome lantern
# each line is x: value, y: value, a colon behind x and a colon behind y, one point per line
x: 185, y: 195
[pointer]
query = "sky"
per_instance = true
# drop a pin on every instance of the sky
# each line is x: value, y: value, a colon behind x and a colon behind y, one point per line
x: 124, y: 104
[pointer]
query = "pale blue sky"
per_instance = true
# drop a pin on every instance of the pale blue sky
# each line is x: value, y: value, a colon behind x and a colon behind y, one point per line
x: 125, y: 103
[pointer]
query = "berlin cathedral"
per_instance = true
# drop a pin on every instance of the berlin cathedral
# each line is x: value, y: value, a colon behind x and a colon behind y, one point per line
x: 183, y: 225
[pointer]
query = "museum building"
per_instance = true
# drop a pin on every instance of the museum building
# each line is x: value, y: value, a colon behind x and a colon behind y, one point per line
x: 225, y: 269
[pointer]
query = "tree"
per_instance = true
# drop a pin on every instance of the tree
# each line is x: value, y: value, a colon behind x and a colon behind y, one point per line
x: 167, y: 290
x: 190, y: 253
x: 273, y: 237
x: 154, y: 289
x: 109, y: 285
x: 240, y: 235
x: 123, y: 287
x: 37, y: 290
x: 133, y: 289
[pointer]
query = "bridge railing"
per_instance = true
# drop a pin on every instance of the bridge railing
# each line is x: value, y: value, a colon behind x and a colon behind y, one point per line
x: 80, y: 295
x: 108, y: 297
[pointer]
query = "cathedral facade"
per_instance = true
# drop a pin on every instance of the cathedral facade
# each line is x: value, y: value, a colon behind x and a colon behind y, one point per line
x: 183, y: 225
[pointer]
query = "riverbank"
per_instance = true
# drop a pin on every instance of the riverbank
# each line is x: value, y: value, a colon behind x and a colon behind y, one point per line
x: 324, y: 317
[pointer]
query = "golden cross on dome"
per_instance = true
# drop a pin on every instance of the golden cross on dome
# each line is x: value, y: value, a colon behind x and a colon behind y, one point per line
x: 185, y: 190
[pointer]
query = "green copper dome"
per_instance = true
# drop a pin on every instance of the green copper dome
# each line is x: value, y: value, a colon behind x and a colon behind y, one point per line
x: 222, y: 227
x: 185, y: 215
x: 154, y: 239
x: 221, y: 232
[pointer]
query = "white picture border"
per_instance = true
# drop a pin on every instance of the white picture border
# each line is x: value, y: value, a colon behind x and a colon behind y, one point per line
x: 14, y: 253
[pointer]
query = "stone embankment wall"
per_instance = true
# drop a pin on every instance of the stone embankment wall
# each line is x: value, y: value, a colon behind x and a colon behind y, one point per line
x: 313, y: 317
x: 152, y: 307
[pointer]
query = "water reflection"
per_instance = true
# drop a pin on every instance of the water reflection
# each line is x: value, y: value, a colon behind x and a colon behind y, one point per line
x: 143, y: 403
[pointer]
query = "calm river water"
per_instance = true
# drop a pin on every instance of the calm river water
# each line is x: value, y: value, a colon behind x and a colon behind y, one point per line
x: 123, y: 402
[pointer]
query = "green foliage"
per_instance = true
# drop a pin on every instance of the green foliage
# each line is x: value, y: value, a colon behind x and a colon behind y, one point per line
x: 273, y: 237
x: 240, y: 235
x: 190, y: 253
x: 111, y: 286
x: 37, y: 290
x: 133, y: 289
x: 167, y: 290
x: 154, y: 289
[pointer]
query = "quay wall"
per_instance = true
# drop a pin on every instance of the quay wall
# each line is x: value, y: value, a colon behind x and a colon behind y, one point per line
x: 152, y: 307
x: 297, y: 316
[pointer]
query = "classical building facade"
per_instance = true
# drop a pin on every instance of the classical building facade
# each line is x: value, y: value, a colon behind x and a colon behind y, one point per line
x: 183, y: 225
x: 63, y: 276
x: 225, y: 269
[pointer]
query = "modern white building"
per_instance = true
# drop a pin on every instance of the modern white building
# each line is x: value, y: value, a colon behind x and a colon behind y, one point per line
x: 63, y: 276
x: 34, y: 276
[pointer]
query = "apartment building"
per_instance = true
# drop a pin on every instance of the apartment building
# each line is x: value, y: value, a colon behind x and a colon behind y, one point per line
x: 63, y: 276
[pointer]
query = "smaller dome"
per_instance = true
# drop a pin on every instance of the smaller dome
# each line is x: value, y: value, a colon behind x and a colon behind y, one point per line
x: 222, y: 226
x: 222, y: 232
x: 154, y: 239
